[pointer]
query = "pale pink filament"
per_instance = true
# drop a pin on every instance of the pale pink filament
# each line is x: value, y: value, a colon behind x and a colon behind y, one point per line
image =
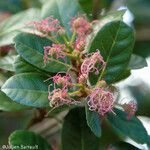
x: 47, y: 25
x: 101, y: 101
x: 80, y: 25
x: 65, y: 81
x: 89, y: 64
x: 56, y: 50
x: 60, y: 97
x: 80, y: 44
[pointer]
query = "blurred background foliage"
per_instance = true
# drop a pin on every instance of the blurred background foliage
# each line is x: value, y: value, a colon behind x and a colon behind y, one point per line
x: 137, y: 86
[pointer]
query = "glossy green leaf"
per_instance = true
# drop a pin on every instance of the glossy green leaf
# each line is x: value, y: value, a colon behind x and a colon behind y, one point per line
x: 6, y: 62
x: 123, y: 76
x: 30, y: 48
x: 137, y: 62
x: 28, y: 89
x: 133, y: 128
x: 123, y: 146
x: 76, y: 135
x: 21, y: 66
x: 13, y: 25
x: 93, y: 121
x: 27, y: 140
x: 115, y: 41
x: 109, y: 17
x: 6, y: 104
x: 63, y: 10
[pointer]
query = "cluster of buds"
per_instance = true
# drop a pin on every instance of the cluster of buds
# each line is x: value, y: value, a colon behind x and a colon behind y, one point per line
x: 100, y: 98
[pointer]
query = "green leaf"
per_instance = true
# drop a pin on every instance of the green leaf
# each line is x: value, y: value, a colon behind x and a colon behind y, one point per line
x: 22, y: 139
x: 11, y: 7
x: 93, y: 121
x: 135, y: 6
x: 28, y: 89
x: 115, y: 41
x: 6, y: 62
x: 123, y: 76
x: 6, y: 104
x: 109, y: 17
x: 63, y: 10
x: 3, y: 78
x: 141, y: 48
x: 13, y: 25
x: 76, y: 135
x: 31, y: 4
x: 137, y: 62
x: 123, y: 146
x: 133, y: 128
x: 30, y: 48
x: 87, y: 6
x: 21, y: 66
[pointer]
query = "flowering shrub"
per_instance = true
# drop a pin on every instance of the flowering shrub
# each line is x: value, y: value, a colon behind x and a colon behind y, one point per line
x: 72, y: 63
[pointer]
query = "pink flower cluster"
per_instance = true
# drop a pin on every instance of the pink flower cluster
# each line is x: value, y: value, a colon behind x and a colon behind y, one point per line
x: 64, y: 81
x: 89, y: 63
x: 47, y: 25
x: 60, y: 96
x: 101, y: 101
x: 82, y: 28
x: 100, y: 98
x: 56, y: 50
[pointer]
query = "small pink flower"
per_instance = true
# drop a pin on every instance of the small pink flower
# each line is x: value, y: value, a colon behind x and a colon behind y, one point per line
x: 60, y: 97
x: 89, y: 64
x: 101, y: 101
x: 47, y: 25
x: 130, y: 109
x: 54, y: 50
x: 80, y: 44
x: 65, y: 81
x: 81, y: 26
